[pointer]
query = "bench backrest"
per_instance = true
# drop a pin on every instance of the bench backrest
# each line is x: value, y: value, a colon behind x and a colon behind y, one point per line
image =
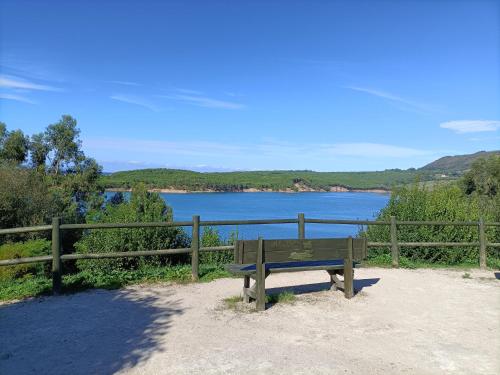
x: 245, y: 252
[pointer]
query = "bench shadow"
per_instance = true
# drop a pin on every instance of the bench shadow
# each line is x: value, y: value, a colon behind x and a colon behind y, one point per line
x: 98, y: 332
x: 359, y: 284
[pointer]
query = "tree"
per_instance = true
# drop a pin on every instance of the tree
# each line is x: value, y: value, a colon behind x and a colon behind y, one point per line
x: 3, y: 133
x: 14, y: 146
x: 24, y: 198
x: 484, y: 177
x: 64, y: 144
x: 39, y: 149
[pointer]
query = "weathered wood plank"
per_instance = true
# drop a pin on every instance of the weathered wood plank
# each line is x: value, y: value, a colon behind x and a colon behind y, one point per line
x: 56, y: 256
x: 348, y: 271
x: 246, y: 286
x: 250, y: 269
x: 302, y: 250
x: 195, y: 248
x: 260, y: 290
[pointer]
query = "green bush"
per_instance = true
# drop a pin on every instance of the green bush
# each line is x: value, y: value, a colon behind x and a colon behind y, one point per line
x: 142, y: 207
x: 211, y: 238
x: 442, y: 203
x: 26, y: 249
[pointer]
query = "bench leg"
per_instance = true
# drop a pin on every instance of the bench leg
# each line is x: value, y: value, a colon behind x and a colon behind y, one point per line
x: 246, y: 286
x: 348, y: 270
x: 260, y: 287
x: 335, y: 282
x: 348, y: 280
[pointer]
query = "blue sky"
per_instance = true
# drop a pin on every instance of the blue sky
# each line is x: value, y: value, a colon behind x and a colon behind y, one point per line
x: 244, y: 85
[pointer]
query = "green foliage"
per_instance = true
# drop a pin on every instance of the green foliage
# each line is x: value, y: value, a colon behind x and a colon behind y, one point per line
x: 24, y: 198
x: 457, y: 164
x: 232, y: 302
x: 483, y: 178
x: 63, y: 141
x: 39, y: 149
x: 26, y: 287
x: 14, y: 146
x: 117, y: 198
x: 31, y: 194
x: 31, y: 286
x: 211, y: 238
x: 23, y: 250
x: 283, y: 297
x: 142, y: 207
x: 442, y: 203
x: 265, y: 180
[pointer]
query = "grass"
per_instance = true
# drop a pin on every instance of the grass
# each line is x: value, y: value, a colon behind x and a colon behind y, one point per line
x: 32, y: 286
x: 283, y: 297
x: 232, y: 302
x: 466, y: 276
x: 385, y: 260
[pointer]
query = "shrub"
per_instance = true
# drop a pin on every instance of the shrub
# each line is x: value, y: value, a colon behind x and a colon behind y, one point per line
x: 211, y: 238
x: 143, y: 206
x: 442, y: 203
x: 24, y: 250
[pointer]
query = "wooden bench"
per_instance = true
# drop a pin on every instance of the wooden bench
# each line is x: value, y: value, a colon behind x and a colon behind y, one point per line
x: 256, y: 259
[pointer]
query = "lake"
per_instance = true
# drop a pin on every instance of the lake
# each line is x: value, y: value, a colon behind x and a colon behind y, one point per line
x: 246, y: 206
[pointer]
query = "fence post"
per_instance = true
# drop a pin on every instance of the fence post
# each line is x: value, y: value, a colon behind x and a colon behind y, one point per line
x: 195, y: 248
x: 394, y: 243
x: 56, y: 256
x: 302, y: 227
x: 482, y: 244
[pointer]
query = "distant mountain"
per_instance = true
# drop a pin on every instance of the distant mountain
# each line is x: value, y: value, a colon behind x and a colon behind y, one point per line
x: 456, y: 164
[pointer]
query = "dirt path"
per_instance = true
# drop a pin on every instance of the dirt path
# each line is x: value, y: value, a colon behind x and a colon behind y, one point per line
x: 401, y: 322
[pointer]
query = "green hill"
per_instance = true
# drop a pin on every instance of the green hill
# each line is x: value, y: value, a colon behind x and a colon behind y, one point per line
x: 260, y: 180
x: 451, y: 166
x: 456, y: 165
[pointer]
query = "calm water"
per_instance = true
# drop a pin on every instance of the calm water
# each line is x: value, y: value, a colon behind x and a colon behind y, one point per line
x: 230, y: 206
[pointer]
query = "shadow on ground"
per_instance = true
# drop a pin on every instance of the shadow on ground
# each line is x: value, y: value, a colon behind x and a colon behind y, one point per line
x: 359, y: 284
x: 99, y: 332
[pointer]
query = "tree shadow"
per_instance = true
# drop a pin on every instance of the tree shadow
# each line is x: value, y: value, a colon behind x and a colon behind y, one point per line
x: 359, y: 284
x: 99, y: 332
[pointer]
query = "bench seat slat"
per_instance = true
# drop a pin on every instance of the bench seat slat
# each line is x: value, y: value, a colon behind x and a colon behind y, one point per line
x: 275, y: 267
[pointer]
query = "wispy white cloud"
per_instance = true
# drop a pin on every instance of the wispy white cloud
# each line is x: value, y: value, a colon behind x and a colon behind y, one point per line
x: 471, y: 126
x: 125, y: 83
x: 203, y: 101
x: 136, y: 100
x: 407, y: 103
x: 17, y: 98
x: 330, y: 150
x: 12, y: 82
x: 365, y: 149
x: 268, y: 149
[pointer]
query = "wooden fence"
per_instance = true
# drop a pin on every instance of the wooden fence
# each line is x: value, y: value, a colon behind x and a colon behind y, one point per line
x: 57, y: 257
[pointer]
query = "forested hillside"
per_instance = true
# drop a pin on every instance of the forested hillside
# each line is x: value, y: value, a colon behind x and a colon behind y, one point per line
x: 262, y: 180
x: 458, y: 164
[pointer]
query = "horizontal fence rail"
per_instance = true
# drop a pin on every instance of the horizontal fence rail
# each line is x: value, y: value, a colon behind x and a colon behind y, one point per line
x: 57, y: 256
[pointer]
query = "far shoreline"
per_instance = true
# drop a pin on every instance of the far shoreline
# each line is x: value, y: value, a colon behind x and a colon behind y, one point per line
x: 333, y: 189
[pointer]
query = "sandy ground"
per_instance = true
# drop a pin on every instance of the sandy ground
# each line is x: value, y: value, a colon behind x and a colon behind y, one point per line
x: 400, y: 322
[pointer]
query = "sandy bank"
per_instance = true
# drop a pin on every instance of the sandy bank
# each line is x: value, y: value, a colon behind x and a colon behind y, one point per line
x: 333, y: 189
